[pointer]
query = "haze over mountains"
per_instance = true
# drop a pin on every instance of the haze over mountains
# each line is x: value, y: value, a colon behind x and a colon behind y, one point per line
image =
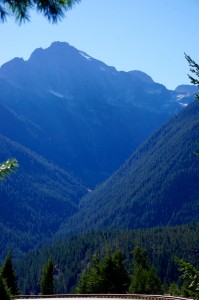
x: 64, y: 112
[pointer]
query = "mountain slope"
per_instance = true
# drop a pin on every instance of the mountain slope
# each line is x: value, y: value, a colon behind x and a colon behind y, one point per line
x: 35, y: 200
x: 157, y: 186
x: 78, y: 112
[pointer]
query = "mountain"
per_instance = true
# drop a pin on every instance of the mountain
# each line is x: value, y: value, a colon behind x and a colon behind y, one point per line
x: 80, y: 113
x: 35, y: 200
x: 187, y: 89
x: 156, y: 186
x: 184, y: 92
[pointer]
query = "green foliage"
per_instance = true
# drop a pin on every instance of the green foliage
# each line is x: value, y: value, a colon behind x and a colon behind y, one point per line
x: 174, y: 289
x: 8, y: 274
x: 191, y: 277
x: 194, y: 68
x: 91, y: 280
x: 157, y: 185
x: 35, y: 202
x: 52, y: 10
x: 8, y: 167
x: 74, y: 256
x: 121, y: 278
x: 4, y: 290
x: 106, y: 276
x: 46, y: 282
x: 144, y: 279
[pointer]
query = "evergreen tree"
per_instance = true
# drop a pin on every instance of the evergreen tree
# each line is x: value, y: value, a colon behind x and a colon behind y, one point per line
x: 91, y: 280
x: 46, y: 282
x: 52, y: 10
x: 174, y: 289
x: 106, y: 276
x: 190, y: 287
x: 8, y: 167
x: 144, y: 279
x: 8, y: 274
x: 4, y: 290
x: 116, y: 278
x: 194, y: 68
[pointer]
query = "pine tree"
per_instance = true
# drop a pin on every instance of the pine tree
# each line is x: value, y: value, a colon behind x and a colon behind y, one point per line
x: 116, y: 278
x: 4, y: 290
x: 52, y: 10
x: 8, y: 167
x: 191, y: 276
x: 46, y: 282
x: 144, y: 279
x: 105, y: 276
x: 91, y: 280
x: 194, y: 68
x: 8, y: 274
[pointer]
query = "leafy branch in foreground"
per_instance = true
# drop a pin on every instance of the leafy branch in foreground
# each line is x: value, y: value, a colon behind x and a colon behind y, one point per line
x: 194, y: 68
x: 191, y: 277
x: 8, y: 167
x: 53, y: 10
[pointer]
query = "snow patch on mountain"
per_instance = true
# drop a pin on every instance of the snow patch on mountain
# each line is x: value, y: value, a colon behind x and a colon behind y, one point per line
x: 85, y: 55
x: 180, y: 97
x: 56, y: 94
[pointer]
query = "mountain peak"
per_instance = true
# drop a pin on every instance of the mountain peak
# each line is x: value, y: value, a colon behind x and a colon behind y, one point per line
x: 13, y: 63
x: 142, y: 76
x: 56, y: 48
x: 187, y: 89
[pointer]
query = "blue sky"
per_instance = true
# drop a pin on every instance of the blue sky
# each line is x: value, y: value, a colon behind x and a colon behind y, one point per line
x: 146, y: 35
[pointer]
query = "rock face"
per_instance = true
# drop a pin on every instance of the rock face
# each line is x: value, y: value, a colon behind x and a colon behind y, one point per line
x: 78, y: 112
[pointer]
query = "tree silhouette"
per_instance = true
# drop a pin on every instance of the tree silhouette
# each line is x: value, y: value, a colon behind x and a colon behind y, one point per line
x: 194, y: 68
x: 8, y: 274
x: 144, y: 279
x: 105, y: 276
x: 46, y: 282
x: 4, y: 290
x: 52, y: 10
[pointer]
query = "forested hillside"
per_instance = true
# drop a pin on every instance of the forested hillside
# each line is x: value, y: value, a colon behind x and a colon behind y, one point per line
x: 80, y: 113
x: 64, y: 112
x: 157, y: 186
x: 73, y: 255
x: 35, y: 200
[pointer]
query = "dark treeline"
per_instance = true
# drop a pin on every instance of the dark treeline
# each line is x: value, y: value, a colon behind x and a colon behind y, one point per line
x: 72, y: 256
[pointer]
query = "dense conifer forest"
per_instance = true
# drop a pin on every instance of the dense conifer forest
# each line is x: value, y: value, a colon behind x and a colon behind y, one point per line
x: 138, y: 232
x: 34, y: 201
x: 156, y: 186
x: 73, y: 256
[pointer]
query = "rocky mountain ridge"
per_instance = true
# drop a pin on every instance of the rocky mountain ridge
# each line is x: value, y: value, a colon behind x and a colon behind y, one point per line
x: 80, y: 113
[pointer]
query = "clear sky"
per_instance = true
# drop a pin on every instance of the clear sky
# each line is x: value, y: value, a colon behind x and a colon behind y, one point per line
x: 146, y: 35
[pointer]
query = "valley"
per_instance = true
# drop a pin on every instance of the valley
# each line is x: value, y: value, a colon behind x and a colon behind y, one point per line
x: 106, y: 162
